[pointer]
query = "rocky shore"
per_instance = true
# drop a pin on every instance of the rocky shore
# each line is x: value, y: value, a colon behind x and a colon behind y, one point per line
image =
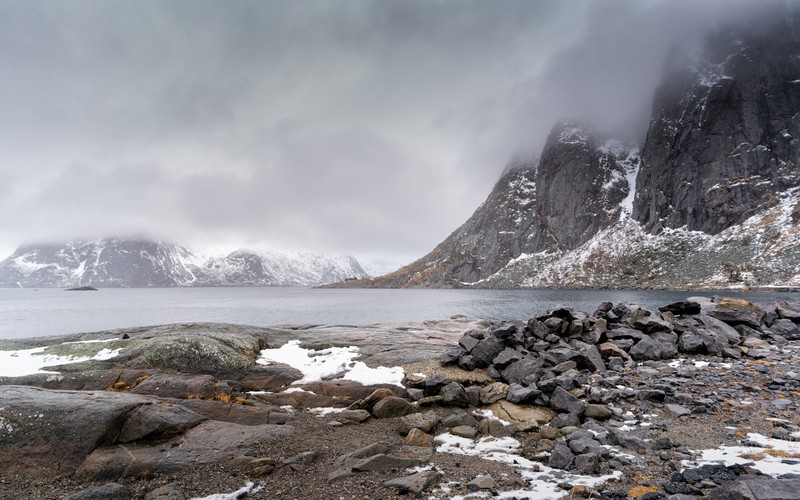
x: 697, y: 399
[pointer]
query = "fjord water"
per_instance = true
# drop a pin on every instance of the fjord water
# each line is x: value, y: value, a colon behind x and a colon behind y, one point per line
x: 26, y: 313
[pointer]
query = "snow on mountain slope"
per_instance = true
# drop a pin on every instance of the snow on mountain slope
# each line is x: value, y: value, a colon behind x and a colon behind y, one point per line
x: 117, y: 262
x: 764, y: 250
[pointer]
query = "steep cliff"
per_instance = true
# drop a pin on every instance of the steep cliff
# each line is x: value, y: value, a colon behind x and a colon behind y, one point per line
x: 725, y: 131
x: 712, y: 201
x: 581, y: 184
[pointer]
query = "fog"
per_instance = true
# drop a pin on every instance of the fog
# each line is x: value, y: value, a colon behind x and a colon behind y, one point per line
x: 366, y: 127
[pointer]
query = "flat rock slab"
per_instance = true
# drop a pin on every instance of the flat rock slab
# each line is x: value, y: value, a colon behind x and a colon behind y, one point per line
x: 209, y: 442
x: 524, y: 417
x: 53, y: 431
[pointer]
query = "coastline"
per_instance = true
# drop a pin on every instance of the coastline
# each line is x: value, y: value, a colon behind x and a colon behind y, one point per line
x: 634, y: 396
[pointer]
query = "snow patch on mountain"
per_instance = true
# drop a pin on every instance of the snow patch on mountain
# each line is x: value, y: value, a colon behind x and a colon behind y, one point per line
x: 131, y: 263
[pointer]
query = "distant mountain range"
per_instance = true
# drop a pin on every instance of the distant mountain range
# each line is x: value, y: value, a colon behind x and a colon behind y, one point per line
x: 710, y: 199
x: 117, y: 262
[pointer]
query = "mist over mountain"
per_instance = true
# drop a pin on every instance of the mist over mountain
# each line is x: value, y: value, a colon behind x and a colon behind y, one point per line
x: 711, y: 198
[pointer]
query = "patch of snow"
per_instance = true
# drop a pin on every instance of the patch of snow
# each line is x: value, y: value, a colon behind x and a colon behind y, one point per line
x: 759, y: 455
x: 542, y: 481
x: 321, y: 411
x: 248, y: 489
x: 32, y: 361
x: 317, y: 365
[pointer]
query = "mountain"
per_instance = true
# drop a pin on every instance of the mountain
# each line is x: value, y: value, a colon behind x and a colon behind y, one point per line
x: 712, y: 200
x: 141, y: 263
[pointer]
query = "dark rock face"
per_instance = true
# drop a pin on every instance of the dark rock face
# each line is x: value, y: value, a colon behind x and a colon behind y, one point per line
x: 723, y: 136
x: 580, y: 183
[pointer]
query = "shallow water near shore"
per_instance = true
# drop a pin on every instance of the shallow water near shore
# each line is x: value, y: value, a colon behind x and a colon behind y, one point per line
x: 26, y: 313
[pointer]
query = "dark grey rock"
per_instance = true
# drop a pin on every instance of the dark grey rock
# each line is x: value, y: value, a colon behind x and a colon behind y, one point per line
x: 785, y: 328
x: 434, y: 384
x: 457, y: 418
x: 415, y: 483
x: 520, y: 394
x: 564, y: 402
x: 646, y: 349
x: 425, y: 422
x: 486, y: 350
x: 170, y: 491
x: 453, y: 394
x: 588, y: 463
x: 468, y: 342
x: 561, y: 457
x: 516, y: 372
x: 506, y: 357
x: 757, y: 488
x: 681, y: 308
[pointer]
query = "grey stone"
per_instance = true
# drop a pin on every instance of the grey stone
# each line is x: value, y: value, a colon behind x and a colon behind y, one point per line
x: 506, y: 357
x: 584, y: 445
x: 415, y: 483
x: 677, y: 410
x: 785, y: 328
x: 493, y: 392
x: 486, y: 350
x: 156, y: 421
x: 464, y: 431
x: 425, y: 422
x: 468, y: 342
x: 457, y: 418
x: 597, y: 412
x: 391, y: 407
x: 646, y: 349
x: 521, y: 394
x: 453, y: 394
x: 517, y: 371
x: 170, y: 491
x: 757, y: 488
x: 587, y: 463
x: 434, y: 384
x: 484, y: 482
x: 561, y: 457
x: 564, y: 402
x: 108, y: 491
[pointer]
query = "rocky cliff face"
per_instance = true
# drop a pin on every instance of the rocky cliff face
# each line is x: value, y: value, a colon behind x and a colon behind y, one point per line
x: 581, y: 184
x: 711, y: 202
x: 725, y: 130
x: 141, y: 263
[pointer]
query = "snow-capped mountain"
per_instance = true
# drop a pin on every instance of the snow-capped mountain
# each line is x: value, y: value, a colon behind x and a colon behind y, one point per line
x: 117, y: 262
x: 711, y: 199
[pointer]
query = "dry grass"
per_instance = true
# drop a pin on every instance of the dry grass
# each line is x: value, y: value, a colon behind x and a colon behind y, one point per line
x: 640, y: 491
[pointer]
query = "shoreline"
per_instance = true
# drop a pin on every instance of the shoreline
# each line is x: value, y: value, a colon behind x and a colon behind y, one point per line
x: 611, y: 397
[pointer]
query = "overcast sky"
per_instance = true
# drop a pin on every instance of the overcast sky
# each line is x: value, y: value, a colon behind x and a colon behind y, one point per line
x: 371, y: 128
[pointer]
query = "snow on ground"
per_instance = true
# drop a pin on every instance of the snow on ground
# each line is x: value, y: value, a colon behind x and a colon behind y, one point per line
x: 542, y: 480
x: 327, y: 363
x: 243, y: 492
x: 31, y: 361
x: 773, y: 457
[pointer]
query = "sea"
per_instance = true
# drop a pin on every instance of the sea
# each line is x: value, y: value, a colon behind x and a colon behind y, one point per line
x: 45, y: 312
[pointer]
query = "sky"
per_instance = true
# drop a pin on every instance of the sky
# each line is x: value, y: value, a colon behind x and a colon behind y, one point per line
x: 373, y: 128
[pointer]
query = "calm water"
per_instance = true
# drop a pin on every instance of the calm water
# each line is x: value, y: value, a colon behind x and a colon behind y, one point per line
x: 45, y: 312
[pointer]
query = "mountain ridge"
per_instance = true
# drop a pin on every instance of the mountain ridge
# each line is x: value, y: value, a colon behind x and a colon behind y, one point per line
x: 135, y: 263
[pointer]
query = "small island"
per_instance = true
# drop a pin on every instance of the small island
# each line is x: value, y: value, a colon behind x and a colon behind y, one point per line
x: 86, y: 288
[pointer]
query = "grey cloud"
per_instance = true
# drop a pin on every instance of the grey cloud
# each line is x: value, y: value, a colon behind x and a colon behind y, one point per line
x: 373, y: 127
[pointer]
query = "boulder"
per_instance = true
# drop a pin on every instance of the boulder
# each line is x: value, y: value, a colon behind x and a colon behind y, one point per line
x: 520, y: 394
x: 157, y: 421
x: 486, y: 350
x: 785, y: 328
x: 453, y: 394
x: 458, y: 417
x: 51, y: 432
x: 417, y: 437
x: 506, y: 356
x: 391, y: 407
x: 425, y: 422
x: 682, y: 308
x: 108, y: 491
x: 564, y: 402
x: 516, y: 372
x: 207, y: 443
x: 493, y: 392
x: 757, y: 488
x: 561, y: 457
x: 524, y: 417
x: 646, y: 349
x: 415, y: 483
x: 735, y: 312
